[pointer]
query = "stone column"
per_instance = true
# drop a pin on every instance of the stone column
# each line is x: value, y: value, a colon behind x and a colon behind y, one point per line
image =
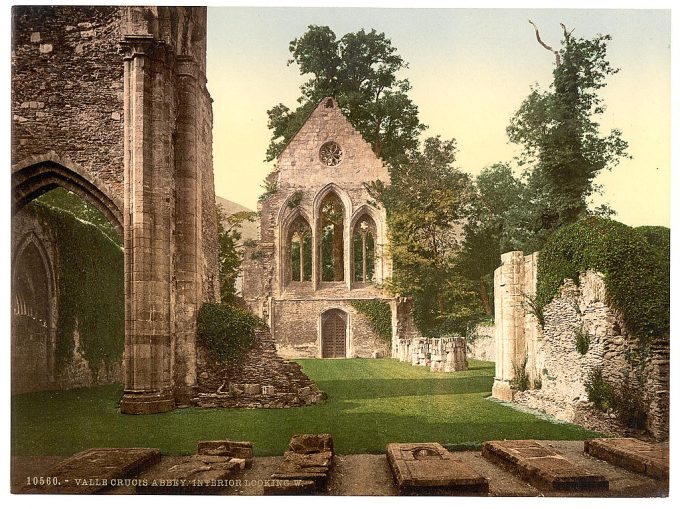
x: 188, y: 221
x: 147, y: 225
x: 509, y: 317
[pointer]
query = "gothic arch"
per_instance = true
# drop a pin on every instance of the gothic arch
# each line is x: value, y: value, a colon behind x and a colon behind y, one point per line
x: 286, y: 269
x: 324, y: 192
x: 334, y: 333
x: 34, y: 177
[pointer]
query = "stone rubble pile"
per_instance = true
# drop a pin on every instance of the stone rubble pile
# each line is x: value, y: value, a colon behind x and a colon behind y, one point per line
x: 440, y: 354
x: 264, y: 380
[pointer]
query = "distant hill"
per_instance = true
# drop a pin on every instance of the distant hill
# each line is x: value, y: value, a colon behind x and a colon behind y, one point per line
x: 248, y: 229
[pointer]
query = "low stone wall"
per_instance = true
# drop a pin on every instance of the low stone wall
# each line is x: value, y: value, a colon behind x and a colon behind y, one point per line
x: 440, y: 354
x: 481, y: 343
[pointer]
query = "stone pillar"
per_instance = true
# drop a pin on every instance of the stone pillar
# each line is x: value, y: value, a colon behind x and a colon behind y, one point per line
x: 509, y: 318
x: 188, y: 226
x: 148, y: 215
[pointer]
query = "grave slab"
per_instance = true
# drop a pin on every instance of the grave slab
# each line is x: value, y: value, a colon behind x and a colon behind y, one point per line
x: 198, y: 474
x: 427, y: 466
x: 96, y: 470
x: 305, y: 467
x: 650, y: 459
x: 541, y: 466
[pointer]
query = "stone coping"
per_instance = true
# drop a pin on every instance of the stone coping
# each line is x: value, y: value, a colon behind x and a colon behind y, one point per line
x: 646, y: 458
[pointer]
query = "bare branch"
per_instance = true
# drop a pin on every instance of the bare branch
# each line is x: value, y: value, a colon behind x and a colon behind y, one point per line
x: 538, y: 38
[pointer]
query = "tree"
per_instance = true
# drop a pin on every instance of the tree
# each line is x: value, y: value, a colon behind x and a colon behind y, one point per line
x: 558, y: 129
x: 230, y: 250
x: 425, y: 206
x: 360, y: 71
x: 498, y: 220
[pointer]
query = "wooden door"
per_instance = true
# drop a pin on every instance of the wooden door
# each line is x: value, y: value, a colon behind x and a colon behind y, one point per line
x: 333, y: 333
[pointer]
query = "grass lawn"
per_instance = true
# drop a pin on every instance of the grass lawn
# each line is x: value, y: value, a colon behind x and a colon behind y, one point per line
x: 371, y: 402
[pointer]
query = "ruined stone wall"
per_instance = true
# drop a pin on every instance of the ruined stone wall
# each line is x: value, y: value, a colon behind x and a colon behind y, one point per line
x: 557, y: 370
x: 482, y: 343
x: 298, y: 324
x: 439, y: 354
x: 67, y: 88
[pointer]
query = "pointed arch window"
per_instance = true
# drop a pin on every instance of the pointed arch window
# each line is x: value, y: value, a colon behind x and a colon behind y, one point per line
x: 300, y: 256
x: 363, y: 244
x: 332, y: 241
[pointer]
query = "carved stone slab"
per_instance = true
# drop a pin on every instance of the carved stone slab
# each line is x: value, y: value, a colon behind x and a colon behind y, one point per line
x: 305, y: 467
x: 96, y: 470
x: 632, y: 454
x: 541, y: 466
x: 428, y: 465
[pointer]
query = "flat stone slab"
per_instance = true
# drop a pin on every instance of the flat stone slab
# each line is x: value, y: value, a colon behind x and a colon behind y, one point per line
x: 632, y: 454
x: 198, y: 474
x: 541, y: 466
x: 229, y: 448
x: 96, y: 470
x: 426, y: 466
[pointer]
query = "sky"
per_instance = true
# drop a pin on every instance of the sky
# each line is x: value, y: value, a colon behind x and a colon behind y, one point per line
x: 470, y: 70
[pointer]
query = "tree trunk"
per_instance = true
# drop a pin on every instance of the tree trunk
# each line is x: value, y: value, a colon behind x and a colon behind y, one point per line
x: 484, y: 296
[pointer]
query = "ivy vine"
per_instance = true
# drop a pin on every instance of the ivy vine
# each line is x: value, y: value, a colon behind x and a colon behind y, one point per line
x: 91, y: 291
x: 379, y: 316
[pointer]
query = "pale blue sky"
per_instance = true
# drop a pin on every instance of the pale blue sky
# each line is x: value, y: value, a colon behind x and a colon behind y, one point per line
x: 470, y: 70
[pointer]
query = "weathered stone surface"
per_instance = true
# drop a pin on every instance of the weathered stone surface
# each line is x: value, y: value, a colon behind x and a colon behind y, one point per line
x: 440, y: 354
x: 311, y: 444
x: 542, y: 466
x: 308, y: 459
x: 198, y: 474
x: 94, y: 470
x: 225, y: 448
x: 632, y: 454
x: 426, y: 466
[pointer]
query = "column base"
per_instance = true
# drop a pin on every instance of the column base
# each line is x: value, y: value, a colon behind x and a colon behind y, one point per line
x: 183, y: 395
x: 146, y: 402
x: 502, y: 390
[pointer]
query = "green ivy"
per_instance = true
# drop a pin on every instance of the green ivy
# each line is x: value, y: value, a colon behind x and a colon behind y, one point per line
x: 91, y: 292
x: 379, y: 316
x: 227, y: 330
x: 635, y: 263
x: 295, y: 199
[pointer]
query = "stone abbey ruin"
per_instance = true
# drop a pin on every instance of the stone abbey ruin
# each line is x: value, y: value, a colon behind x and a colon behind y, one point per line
x: 111, y: 104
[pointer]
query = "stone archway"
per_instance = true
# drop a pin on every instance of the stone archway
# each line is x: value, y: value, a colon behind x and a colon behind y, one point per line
x: 132, y: 135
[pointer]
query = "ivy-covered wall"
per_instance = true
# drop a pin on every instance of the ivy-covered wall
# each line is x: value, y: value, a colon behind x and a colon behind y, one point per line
x: 90, y: 291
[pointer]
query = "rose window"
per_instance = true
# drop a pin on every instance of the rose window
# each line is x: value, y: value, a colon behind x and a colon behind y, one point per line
x: 330, y: 154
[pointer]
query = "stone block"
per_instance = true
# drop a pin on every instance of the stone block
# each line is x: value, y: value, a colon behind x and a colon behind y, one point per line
x: 100, y: 465
x: 541, y: 466
x: 229, y: 448
x: 425, y: 467
x: 35, y: 36
x: 252, y: 389
x: 650, y: 459
x: 268, y: 390
x: 311, y: 444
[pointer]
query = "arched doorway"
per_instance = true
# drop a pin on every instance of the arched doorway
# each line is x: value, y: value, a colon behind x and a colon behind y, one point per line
x: 334, y: 334
x: 32, y: 317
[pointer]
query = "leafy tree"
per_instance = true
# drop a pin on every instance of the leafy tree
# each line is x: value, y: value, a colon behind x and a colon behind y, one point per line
x: 360, y: 71
x: 230, y: 250
x: 426, y: 204
x: 498, y: 220
x: 558, y: 129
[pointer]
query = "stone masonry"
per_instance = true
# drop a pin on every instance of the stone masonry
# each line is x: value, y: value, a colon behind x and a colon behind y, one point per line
x: 111, y: 103
x: 297, y: 308
x: 440, y: 354
x: 557, y: 370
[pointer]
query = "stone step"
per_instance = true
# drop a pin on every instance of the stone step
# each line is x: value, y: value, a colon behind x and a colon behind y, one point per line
x: 96, y: 470
x: 541, y: 466
x: 429, y: 468
x: 650, y: 459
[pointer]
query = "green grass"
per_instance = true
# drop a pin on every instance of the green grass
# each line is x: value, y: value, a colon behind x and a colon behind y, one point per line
x: 370, y: 404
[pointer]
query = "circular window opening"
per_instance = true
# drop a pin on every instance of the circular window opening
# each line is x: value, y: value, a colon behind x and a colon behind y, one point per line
x: 330, y: 153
